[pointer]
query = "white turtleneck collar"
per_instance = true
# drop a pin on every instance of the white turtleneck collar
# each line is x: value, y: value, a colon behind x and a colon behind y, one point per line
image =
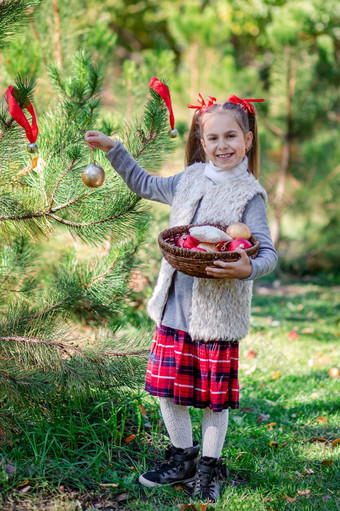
x: 219, y: 176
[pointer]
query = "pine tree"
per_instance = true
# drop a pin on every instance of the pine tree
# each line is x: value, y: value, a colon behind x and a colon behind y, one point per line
x: 41, y: 196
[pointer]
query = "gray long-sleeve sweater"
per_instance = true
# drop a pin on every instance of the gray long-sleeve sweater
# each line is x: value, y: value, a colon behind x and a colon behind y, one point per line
x: 162, y: 189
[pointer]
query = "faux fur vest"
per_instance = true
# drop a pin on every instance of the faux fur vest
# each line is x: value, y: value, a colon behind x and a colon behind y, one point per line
x: 220, y: 308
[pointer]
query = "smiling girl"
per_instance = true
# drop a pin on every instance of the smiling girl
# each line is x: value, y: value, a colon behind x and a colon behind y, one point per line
x: 199, y: 322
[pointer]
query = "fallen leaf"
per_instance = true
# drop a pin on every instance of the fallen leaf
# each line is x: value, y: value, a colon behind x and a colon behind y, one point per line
x: 283, y: 445
x: 293, y: 415
x: 23, y: 484
x: 268, y: 499
x: 250, y: 354
x: 308, y: 330
x: 239, y: 455
x: 320, y: 439
x: 334, y: 372
x: 121, y: 497
x: 327, y: 463
x: 129, y: 439
x: 307, y: 472
x: 276, y: 375
x: 273, y: 444
x: 61, y: 488
x: 25, y: 489
x: 270, y: 425
x: 322, y: 420
x: 306, y: 493
x: 103, y: 486
x: 9, y: 469
x: 262, y: 417
x: 326, y: 497
x: 247, y: 409
x: 188, y: 506
x: 290, y: 499
x: 142, y: 410
x: 293, y: 335
x: 203, y: 507
x: 335, y: 442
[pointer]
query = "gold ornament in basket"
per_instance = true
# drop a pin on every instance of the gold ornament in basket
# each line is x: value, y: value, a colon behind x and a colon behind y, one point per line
x: 193, y: 262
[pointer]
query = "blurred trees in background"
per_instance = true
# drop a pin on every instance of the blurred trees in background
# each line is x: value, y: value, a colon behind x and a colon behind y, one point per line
x: 286, y: 51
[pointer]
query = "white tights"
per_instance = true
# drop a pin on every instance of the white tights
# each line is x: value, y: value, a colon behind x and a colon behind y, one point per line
x: 178, y: 424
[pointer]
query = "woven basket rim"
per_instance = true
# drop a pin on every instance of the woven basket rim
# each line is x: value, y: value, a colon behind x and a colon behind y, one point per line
x: 199, y: 256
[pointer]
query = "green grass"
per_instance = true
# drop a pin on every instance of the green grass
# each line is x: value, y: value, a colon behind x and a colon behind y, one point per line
x: 80, y: 460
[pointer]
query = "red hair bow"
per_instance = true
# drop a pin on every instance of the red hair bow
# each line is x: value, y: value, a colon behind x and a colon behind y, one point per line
x: 203, y: 105
x: 245, y: 103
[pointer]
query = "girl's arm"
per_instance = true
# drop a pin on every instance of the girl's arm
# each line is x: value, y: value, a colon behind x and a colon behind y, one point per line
x: 255, y: 217
x: 160, y: 189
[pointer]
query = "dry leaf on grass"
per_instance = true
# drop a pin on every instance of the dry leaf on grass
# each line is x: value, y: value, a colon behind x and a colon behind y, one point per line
x: 270, y: 425
x: 262, y: 417
x: 306, y: 493
x: 290, y: 499
x: 322, y: 420
x: 320, y: 439
x: 129, y: 438
x: 250, y: 354
x: 293, y: 335
x: 276, y: 375
x: 335, y: 442
x: 327, y: 463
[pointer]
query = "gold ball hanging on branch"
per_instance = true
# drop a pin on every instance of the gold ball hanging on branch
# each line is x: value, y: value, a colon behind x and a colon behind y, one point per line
x: 93, y: 175
x: 173, y: 133
x: 32, y: 147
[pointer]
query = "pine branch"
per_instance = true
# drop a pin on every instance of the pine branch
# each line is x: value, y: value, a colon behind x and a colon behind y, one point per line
x: 59, y: 181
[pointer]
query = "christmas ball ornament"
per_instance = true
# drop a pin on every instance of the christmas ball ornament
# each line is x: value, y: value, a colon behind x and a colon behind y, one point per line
x: 93, y: 175
x: 239, y: 230
x: 173, y: 133
x: 32, y: 147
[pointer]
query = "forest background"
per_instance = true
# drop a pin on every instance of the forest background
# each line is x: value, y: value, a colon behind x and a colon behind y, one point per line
x: 77, y: 299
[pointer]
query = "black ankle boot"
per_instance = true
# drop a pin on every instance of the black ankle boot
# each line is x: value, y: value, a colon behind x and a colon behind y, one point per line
x: 181, y: 468
x: 209, y: 471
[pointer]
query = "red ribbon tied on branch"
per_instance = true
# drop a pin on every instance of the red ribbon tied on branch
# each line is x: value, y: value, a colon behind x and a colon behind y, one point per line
x: 245, y: 103
x: 19, y: 116
x: 163, y: 91
x: 202, y: 104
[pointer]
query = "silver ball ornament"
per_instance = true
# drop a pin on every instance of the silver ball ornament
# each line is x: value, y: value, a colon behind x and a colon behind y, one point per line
x: 173, y: 133
x: 32, y: 147
x: 93, y: 175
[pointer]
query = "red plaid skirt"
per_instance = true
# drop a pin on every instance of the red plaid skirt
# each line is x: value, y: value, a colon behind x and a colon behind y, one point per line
x: 194, y: 373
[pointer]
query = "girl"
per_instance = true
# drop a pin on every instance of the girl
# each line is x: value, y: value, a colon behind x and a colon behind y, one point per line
x: 199, y: 322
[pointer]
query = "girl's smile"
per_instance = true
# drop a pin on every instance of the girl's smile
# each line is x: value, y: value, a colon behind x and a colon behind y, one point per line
x: 223, y: 140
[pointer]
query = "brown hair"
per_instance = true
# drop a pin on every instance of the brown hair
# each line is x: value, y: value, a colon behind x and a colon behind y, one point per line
x: 194, y: 151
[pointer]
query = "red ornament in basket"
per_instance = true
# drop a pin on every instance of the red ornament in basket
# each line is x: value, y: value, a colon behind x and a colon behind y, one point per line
x: 191, y: 248
x: 207, y: 238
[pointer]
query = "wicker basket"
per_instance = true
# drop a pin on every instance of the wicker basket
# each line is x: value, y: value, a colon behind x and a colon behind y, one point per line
x: 191, y: 262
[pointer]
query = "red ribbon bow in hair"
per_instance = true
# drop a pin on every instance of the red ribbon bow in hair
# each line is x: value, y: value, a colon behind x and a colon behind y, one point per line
x: 203, y: 105
x: 245, y: 103
x: 19, y: 116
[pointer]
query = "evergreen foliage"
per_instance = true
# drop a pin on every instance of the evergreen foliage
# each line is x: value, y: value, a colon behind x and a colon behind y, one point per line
x: 43, y: 196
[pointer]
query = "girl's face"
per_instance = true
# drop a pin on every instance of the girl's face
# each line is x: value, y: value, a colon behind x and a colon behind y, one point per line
x: 223, y: 139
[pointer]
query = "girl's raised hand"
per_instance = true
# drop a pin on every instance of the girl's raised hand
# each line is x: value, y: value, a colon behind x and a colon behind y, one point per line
x: 97, y: 140
x: 240, y: 269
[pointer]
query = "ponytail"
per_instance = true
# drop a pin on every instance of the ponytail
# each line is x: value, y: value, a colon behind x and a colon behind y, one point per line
x: 194, y: 151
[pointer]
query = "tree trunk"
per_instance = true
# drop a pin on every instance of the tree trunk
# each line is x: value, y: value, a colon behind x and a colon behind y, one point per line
x: 280, y: 201
x: 57, y: 33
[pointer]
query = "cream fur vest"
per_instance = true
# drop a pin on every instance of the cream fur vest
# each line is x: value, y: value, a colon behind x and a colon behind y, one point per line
x: 220, y: 307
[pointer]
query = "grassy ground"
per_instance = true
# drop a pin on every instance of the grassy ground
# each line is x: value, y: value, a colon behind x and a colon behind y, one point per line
x: 278, y: 449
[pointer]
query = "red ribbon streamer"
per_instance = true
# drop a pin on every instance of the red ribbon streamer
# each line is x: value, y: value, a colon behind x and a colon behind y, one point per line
x: 163, y: 91
x: 203, y: 105
x: 245, y: 103
x: 19, y: 116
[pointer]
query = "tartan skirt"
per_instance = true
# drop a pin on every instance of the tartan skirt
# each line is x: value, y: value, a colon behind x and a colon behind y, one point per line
x: 194, y: 373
